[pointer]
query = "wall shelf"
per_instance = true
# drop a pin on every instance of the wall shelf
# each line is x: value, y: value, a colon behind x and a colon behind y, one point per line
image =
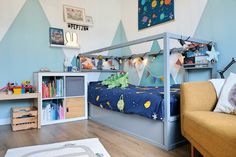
x: 4, y: 96
x: 34, y: 97
x: 64, y: 46
x: 95, y: 70
x: 53, y: 98
x: 198, y: 67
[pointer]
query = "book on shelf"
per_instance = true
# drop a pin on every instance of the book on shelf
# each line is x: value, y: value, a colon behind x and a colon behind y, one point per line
x: 53, y: 88
x: 52, y: 111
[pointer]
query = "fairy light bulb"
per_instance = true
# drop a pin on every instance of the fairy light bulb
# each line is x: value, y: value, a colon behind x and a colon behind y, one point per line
x: 120, y: 60
x: 153, y: 58
x: 145, y: 61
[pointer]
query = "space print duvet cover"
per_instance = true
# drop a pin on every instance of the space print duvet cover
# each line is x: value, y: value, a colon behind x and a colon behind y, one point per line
x: 141, y: 100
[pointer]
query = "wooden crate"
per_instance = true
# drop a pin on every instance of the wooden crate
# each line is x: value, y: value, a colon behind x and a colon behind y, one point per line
x: 24, y: 118
x: 75, y: 107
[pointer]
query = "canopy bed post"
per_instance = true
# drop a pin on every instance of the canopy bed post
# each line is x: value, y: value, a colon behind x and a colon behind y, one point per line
x: 166, y: 88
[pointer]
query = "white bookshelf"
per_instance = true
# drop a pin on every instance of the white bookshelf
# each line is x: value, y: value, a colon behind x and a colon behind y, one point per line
x: 73, y: 100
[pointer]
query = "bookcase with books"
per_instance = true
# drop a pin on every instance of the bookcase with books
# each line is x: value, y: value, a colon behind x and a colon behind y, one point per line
x: 63, y: 96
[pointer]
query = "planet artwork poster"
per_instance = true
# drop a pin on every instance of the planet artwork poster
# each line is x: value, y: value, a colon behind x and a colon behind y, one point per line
x: 154, y: 12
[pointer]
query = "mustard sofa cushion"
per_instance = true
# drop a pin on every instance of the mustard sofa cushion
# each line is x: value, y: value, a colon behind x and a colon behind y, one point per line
x: 214, y: 132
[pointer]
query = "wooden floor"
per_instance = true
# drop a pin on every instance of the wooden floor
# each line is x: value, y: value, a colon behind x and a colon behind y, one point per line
x: 116, y: 143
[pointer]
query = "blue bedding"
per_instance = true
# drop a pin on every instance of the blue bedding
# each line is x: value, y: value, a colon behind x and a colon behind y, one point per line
x: 141, y: 100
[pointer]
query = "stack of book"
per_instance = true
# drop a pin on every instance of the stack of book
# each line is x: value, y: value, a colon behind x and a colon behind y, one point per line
x: 52, y: 111
x: 52, y: 88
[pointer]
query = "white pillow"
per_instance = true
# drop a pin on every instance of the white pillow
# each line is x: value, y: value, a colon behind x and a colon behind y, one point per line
x: 218, y: 84
x: 227, y: 100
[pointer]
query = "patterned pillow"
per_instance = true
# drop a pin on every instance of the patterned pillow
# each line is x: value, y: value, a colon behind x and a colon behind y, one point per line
x: 227, y: 100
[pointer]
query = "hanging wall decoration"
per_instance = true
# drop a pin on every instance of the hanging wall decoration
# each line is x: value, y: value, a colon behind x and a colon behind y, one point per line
x: 76, y: 18
x: 56, y: 36
x: 153, y: 77
x: 78, y: 27
x: 89, y: 20
x: 71, y: 39
x: 74, y: 15
x: 154, y: 12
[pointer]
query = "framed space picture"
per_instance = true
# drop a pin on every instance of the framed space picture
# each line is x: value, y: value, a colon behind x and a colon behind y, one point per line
x: 154, y: 12
x: 74, y: 15
x: 56, y: 36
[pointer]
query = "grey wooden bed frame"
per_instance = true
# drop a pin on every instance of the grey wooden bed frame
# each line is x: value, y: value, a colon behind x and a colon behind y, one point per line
x: 164, y: 134
x: 148, y: 130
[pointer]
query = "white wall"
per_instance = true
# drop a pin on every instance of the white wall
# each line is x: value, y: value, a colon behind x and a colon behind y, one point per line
x: 187, y: 16
x: 106, y: 15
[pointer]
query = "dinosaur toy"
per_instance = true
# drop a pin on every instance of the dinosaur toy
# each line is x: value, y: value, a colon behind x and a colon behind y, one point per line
x: 117, y: 80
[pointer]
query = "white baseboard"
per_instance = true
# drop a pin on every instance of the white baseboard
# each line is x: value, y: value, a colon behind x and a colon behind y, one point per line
x: 5, y: 121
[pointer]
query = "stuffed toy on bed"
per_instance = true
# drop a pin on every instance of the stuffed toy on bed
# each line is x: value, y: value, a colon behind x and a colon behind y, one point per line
x: 117, y: 80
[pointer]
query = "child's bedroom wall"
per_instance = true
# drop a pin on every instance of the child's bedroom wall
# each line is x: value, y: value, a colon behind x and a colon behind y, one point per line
x: 205, y: 19
x: 187, y: 17
x: 217, y: 24
x: 24, y: 38
x: 24, y: 46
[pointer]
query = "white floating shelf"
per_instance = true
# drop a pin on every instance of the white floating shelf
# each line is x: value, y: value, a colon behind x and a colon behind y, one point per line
x: 53, y: 98
x: 64, y: 46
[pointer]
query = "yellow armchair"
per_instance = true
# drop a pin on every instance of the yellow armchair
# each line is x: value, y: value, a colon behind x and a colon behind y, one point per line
x: 212, y: 134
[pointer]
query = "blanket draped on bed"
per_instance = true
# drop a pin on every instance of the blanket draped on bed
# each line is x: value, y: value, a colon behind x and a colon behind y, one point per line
x: 141, y: 100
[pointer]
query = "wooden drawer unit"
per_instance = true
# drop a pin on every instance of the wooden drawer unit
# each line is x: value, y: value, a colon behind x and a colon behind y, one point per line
x: 75, y: 107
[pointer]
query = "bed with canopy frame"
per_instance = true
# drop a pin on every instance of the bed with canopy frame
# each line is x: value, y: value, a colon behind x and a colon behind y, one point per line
x: 163, y: 133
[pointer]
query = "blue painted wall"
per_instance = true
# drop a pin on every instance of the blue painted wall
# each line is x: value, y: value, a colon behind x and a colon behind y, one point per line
x: 218, y: 24
x: 120, y: 37
x: 25, y: 49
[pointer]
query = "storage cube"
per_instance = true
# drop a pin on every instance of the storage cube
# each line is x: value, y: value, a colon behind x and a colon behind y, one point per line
x: 75, y: 107
x: 75, y: 86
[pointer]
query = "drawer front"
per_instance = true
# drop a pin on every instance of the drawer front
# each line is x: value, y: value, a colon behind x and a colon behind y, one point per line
x: 75, y: 107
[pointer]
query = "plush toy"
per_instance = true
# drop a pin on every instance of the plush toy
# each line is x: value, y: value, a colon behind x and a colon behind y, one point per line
x: 25, y: 83
x: 118, y: 80
x: 87, y: 66
x: 100, y: 62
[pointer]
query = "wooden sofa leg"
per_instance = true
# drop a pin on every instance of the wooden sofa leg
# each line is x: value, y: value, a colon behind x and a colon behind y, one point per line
x: 194, y: 152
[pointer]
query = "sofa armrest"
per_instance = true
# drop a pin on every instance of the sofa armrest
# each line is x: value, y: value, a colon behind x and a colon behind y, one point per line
x: 197, y: 96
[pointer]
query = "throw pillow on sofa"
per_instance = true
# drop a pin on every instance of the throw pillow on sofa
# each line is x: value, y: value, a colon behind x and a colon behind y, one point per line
x: 227, y: 100
x: 218, y: 85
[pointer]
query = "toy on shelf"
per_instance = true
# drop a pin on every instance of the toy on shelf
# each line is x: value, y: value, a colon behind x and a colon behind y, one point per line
x: 100, y: 62
x: 14, y: 88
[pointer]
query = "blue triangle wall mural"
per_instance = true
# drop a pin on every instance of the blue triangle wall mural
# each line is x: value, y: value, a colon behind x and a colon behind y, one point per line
x: 154, y: 69
x: 217, y: 24
x: 120, y: 37
x: 25, y: 48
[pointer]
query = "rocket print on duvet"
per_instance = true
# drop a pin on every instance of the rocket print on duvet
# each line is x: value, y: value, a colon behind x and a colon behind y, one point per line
x: 121, y: 104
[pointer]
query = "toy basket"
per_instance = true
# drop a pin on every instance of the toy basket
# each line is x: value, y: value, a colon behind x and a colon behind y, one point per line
x: 24, y: 118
